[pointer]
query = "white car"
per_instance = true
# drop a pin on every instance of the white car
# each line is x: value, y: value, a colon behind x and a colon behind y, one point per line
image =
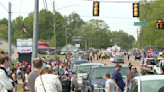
x: 147, y: 83
x: 157, y: 69
x: 82, y: 71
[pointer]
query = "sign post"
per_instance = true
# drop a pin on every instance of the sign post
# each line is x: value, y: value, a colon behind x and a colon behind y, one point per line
x: 77, y: 39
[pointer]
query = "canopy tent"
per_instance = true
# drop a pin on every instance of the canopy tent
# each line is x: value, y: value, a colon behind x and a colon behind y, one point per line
x: 69, y: 47
x: 41, y: 43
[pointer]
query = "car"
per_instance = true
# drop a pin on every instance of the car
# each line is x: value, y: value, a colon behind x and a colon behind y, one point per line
x: 82, y: 71
x: 95, y: 79
x: 147, y: 83
x: 80, y: 61
x: 73, y: 60
x: 138, y: 56
x: 157, y: 67
x: 118, y: 59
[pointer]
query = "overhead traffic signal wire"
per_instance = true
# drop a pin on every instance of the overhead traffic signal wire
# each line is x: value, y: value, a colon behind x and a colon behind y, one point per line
x: 119, y: 1
x: 3, y: 6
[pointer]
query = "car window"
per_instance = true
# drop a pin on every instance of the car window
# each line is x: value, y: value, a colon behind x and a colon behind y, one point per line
x: 119, y: 57
x: 130, y: 85
x: 84, y: 68
x: 134, y: 87
x: 151, y: 86
x: 75, y: 67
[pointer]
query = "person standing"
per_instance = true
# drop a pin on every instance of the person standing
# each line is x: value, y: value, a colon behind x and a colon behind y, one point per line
x: 130, y: 75
x: 130, y: 65
x: 23, y: 71
x: 109, y: 84
x: 90, y: 55
x: 37, y: 64
x: 117, y: 78
x: 128, y: 56
x: 14, y: 78
x: 6, y: 84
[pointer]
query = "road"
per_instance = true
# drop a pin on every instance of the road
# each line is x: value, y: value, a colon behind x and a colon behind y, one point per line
x: 126, y: 62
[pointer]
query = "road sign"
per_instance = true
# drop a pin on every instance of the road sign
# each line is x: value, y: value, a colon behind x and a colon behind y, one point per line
x: 76, y: 38
x: 77, y: 45
x: 24, y: 42
x: 141, y: 23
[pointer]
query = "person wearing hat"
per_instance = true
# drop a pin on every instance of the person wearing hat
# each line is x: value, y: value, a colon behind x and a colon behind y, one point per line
x: 117, y: 78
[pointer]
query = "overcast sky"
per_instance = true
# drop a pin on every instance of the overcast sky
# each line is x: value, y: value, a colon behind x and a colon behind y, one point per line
x: 116, y: 15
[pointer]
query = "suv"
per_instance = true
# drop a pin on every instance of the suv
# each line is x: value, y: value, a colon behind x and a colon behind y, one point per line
x: 95, y: 80
x: 138, y: 56
x: 82, y: 71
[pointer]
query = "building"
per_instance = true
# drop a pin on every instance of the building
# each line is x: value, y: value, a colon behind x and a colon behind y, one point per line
x: 42, y: 46
x: 4, y: 47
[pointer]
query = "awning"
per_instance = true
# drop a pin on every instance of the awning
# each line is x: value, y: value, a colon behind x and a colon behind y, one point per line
x: 44, y: 47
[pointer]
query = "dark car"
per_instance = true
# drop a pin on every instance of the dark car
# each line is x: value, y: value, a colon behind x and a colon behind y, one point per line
x: 95, y: 80
x: 138, y: 56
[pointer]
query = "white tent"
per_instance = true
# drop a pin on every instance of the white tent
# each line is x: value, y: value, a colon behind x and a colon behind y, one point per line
x: 69, y: 47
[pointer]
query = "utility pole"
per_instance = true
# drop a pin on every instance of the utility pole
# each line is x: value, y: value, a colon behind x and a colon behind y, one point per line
x: 91, y: 39
x: 85, y: 43
x: 35, y: 31
x: 54, y: 27
x: 66, y: 35
x: 143, y: 36
x: 137, y: 38
x: 9, y: 31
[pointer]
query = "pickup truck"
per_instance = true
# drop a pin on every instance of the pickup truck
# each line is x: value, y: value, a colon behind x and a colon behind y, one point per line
x: 95, y: 80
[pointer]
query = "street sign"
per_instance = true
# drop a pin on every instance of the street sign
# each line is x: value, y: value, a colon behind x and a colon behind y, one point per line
x: 77, y: 45
x: 77, y: 38
x: 24, y: 42
x: 141, y: 23
x: 24, y: 49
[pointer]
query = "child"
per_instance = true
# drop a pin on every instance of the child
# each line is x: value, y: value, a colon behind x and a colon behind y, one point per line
x: 26, y: 76
x: 25, y: 88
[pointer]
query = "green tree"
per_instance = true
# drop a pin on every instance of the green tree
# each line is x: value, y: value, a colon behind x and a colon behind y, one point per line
x: 3, y: 31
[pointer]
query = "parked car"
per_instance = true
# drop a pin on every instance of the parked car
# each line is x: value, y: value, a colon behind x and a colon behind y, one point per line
x: 95, y: 78
x: 118, y: 59
x: 82, y: 71
x: 147, y: 83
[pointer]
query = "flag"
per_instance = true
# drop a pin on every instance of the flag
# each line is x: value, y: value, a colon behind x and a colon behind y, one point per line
x: 151, y: 52
x: 24, y: 29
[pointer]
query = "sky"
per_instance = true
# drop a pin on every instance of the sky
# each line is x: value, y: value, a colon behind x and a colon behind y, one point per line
x: 116, y: 15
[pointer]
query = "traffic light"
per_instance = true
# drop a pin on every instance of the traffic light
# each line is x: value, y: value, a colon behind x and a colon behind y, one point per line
x: 96, y: 8
x: 159, y: 24
x: 136, y: 10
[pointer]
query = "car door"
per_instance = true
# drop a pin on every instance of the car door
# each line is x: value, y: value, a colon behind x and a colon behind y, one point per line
x: 133, y: 86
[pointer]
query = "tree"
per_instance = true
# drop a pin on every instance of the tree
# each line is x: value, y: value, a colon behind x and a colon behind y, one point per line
x: 3, y: 31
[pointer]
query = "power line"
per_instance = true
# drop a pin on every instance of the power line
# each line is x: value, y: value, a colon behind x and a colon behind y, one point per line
x: 119, y: 1
x: 20, y: 6
x: 3, y: 6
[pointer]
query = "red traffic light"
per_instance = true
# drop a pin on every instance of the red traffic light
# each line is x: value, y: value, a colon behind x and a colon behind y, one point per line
x: 159, y: 20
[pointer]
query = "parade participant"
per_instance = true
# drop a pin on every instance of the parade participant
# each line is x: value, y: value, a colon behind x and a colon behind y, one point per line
x: 160, y: 55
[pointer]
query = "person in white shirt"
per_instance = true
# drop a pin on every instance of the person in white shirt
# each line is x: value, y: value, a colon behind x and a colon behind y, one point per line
x: 6, y: 84
x: 47, y: 82
x: 110, y: 85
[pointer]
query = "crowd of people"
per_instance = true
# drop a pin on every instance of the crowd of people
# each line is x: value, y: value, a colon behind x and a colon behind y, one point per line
x: 46, y: 75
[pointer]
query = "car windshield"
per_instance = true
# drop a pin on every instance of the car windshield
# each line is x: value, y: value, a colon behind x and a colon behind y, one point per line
x: 119, y: 57
x: 99, y: 73
x: 75, y: 67
x: 84, y: 68
x: 151, y: 86
x: 80, y: 62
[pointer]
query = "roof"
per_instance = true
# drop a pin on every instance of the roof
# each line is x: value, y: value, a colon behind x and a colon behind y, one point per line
x: 39, y: 42
x: 44, y: 47
x: 7, y: 41
x: 149, y: 77
x: 92, y: 64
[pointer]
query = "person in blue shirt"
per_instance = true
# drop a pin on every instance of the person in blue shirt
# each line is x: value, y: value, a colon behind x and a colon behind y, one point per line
x: 56, y: 58
x: 117, y: 78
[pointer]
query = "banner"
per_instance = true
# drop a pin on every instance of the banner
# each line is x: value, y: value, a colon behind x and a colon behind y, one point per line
x: 24, y: 49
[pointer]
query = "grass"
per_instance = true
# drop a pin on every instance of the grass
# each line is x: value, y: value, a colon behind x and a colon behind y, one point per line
x: 19, y: 88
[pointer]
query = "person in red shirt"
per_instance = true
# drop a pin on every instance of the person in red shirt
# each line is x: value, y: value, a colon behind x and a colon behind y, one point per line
x: 29, y: 67
x: 17, y: 65
x: 58, y: 59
